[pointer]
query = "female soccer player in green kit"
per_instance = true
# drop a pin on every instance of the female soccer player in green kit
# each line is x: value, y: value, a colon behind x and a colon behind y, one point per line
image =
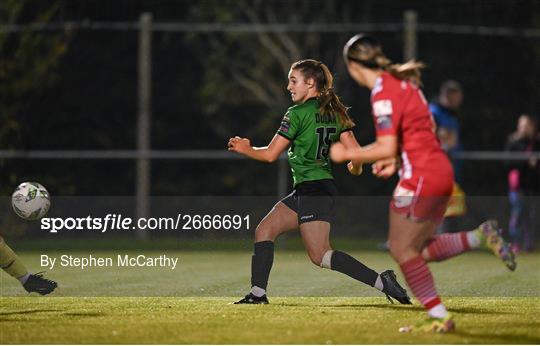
x: 317, y: 119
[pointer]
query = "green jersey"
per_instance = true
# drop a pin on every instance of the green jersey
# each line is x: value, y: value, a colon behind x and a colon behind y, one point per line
x: 311, y: 135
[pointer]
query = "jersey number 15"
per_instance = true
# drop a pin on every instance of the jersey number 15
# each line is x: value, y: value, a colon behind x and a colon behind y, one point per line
x: 324, y: 133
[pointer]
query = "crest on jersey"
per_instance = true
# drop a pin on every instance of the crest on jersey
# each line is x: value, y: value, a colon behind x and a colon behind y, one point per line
x: 382, y: 110
x: 377, y: 88
x: 285, y: 123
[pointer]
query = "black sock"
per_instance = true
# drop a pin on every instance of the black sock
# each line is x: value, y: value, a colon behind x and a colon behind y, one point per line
x: 348, y: 265
x: 261, y: 263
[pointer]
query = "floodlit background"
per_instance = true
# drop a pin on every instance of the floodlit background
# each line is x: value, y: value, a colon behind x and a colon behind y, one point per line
x: 139, y: 98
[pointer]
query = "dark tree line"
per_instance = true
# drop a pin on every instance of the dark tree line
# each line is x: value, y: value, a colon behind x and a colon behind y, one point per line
x: 77, y: 89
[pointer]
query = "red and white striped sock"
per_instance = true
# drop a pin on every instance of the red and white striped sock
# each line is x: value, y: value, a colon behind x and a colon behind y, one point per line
x: 445, y: 246
x: 420, y: 281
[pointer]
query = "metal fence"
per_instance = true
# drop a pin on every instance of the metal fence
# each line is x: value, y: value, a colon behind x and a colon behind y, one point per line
x: 410, y: 27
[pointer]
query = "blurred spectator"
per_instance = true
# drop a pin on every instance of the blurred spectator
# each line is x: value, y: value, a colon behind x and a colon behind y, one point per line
x: 523, y: 181
x: 445, y: 111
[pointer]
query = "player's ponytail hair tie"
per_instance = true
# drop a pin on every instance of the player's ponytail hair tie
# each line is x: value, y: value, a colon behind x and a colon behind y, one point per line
x: 325, y: 97
x: 327, y: 92
x: 367, y: 51
x: 329, y: 103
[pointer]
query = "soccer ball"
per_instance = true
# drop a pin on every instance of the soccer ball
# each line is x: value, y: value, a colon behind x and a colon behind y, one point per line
x: 30, y: 201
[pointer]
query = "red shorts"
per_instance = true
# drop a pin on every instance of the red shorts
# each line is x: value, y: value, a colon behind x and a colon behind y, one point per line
x: 423, y: 197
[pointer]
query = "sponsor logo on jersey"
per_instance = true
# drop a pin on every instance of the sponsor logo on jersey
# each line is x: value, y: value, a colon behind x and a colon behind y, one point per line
x: 382, y: 107
x: 285, y: 124
x: 384, y: 122
x: 382, y: 110
x: 377, y: 88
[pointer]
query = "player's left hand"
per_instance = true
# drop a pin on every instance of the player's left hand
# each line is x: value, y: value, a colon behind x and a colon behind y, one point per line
x: 239, y: 145
x: 338, y: 152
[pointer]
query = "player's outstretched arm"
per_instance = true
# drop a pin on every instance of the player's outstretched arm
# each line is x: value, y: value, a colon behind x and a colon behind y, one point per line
x: 384, y: 147
x: 349, y: 141
x: 270, y: 153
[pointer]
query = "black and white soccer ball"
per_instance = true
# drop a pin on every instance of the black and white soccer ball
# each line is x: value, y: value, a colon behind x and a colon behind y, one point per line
x: 31, y: 201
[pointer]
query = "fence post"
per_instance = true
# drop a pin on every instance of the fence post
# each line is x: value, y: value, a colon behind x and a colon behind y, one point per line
x: 410, y: 49
x: 143, y: 119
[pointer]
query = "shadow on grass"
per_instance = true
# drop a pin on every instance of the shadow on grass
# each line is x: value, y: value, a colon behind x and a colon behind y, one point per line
x: 25, y: 312
x: 85, y: 314
x: 399, y: 307
x: 58, y: 311
x: 396, y: 307
x: 470, y: 310
x: 499, y: 338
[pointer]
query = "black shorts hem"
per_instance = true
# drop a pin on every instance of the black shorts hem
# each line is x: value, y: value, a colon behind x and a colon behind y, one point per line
x: 312, y: 201
x: 325, y: 218
x: 290, y: 202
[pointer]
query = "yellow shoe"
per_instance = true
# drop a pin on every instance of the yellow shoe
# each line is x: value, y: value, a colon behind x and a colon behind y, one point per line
x: 432, y: 325
x: 490, y: 234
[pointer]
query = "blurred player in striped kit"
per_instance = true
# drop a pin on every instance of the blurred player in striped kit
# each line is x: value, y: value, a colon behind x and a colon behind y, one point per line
x: 405, y: 126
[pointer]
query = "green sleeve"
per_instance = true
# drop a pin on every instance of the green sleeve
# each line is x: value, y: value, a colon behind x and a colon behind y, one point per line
x: 289, y: 125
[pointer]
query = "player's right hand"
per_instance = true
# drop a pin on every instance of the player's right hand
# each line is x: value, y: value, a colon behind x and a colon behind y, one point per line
x: 239, y: 145
x: 355, y: 168
x: 385, y: 168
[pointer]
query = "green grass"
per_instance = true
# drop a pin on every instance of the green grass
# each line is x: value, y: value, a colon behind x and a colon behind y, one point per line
x: 287, y: 320
x: 308, y: 304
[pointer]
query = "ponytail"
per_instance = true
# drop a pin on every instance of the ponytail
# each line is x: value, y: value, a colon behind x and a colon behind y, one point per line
x: 411, y: 70
x: 329, y: 102
x: 367, y: 51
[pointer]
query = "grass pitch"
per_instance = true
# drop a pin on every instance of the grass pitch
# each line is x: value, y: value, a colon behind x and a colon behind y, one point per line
x: 308, y: 304
x: 326, y: 320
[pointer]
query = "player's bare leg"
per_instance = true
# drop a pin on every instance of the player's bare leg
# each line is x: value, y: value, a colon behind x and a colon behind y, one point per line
x: 316, y: 238
x: 406, y: 240
x: 279, y: 220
